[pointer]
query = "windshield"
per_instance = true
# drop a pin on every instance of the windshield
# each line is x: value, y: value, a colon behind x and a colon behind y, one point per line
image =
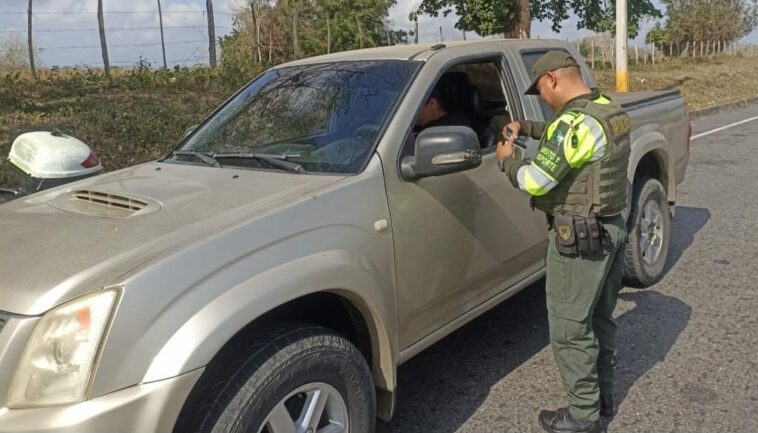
x: 325, y: 117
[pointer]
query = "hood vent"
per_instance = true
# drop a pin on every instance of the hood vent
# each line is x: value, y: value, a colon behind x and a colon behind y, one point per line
x: 104, y: 204
x: 111, y: 200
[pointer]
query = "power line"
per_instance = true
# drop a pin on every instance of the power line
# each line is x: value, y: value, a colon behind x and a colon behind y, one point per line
x: 108, y: 12
x: 122, y: 45
x: 111, y: 29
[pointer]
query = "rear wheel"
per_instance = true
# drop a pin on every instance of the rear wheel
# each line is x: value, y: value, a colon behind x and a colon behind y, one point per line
x: 290, y: 379
x: 649, y: 228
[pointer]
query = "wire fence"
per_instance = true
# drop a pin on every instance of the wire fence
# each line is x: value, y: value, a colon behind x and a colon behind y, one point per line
x: 600, y: 51
x: 14, y: 49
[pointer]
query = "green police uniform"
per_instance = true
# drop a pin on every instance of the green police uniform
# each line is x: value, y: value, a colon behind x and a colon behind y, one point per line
x: 580, y: 169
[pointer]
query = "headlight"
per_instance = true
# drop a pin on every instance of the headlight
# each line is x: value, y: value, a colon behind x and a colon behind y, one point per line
x: 59, y: 358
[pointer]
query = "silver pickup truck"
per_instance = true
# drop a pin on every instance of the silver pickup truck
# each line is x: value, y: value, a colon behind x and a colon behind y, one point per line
x: 271, y: 273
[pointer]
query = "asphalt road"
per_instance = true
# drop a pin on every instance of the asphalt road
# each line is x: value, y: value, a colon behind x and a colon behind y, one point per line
x: 688, y: 346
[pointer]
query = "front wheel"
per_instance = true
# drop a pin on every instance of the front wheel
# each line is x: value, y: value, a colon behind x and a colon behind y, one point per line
x: 290, y: 379
x: 649, y: 228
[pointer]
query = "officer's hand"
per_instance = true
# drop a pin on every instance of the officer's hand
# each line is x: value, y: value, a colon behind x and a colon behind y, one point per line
x: 504, y: 149
x: 512, y: 135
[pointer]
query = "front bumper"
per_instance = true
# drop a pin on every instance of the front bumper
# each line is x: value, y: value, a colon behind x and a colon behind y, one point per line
x: 150, y: 407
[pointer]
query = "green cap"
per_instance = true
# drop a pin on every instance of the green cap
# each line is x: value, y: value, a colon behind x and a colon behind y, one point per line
x: 550, y: 61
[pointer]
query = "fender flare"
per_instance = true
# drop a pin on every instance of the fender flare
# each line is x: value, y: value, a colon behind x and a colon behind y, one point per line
x: 198, y: 340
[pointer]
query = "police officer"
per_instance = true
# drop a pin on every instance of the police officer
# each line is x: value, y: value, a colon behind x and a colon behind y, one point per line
x: 578, y: 178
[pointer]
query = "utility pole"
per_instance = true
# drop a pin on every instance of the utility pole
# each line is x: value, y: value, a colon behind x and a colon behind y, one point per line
x: 31, y: 44
x: 163, y: 41
x: 622, y: 75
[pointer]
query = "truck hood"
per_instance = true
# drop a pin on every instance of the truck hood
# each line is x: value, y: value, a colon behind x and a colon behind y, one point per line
x: 68, y: 241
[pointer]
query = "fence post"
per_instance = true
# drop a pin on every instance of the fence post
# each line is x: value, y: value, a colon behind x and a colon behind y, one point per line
x: 31, y: 44
x: 636, y: 54
x: 211, y: 34
x: 103, y: 43
x: 163, y: 42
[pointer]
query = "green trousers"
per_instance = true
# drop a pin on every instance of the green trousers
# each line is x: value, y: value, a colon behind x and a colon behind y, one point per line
x: 581, y: 297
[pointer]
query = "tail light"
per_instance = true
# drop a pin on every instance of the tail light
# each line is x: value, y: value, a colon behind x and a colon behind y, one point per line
x: 92, y: 161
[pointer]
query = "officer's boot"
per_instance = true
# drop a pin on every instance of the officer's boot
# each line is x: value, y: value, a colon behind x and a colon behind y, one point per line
x: 561, y: 421
x: 607, y: 409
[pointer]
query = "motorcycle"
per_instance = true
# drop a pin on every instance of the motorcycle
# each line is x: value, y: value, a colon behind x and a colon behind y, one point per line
x: 44, y: 159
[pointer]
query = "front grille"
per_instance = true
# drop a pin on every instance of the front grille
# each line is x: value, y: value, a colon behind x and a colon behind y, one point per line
x: 110, y: 200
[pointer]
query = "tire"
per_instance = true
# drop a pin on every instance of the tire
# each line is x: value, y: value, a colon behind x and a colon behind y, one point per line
x: 649, y: 224
x: 282, y: 371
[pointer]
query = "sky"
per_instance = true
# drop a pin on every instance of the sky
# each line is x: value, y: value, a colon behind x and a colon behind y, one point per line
x: 71, y: 37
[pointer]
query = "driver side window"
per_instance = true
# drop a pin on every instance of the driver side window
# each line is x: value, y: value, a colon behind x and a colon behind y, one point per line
x: 469, y: 94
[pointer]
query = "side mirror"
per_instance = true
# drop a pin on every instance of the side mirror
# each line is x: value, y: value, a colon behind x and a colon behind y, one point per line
x: 189, y: 131
x: 442, y: 150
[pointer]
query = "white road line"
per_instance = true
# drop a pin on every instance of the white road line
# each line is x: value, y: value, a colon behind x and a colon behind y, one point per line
x: 703, y: 134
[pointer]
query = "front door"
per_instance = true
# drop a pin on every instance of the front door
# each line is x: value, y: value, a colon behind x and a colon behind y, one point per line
x: 464, y: 237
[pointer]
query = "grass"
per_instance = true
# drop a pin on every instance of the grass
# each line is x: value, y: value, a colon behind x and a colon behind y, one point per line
x: 137, y: 117
x: 141, y: 114
x: 703, y: 82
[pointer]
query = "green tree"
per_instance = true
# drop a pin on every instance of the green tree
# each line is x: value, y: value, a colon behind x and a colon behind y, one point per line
x: 710, y: 20
x: 512, y: 17
x: 287, y: 29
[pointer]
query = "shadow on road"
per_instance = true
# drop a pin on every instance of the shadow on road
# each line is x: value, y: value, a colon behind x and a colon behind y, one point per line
x: 688, y: 222
x: 443, y: 386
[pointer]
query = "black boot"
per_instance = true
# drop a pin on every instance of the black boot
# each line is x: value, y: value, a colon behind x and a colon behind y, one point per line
x: 561, y: 421
x: 607, y: 409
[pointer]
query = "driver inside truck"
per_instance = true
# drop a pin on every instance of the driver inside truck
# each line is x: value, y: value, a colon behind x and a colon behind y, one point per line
x: 439, y: 110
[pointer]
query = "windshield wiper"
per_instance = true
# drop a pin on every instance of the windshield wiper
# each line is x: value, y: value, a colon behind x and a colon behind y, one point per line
x: 278, y: 161
x: 208, y: 159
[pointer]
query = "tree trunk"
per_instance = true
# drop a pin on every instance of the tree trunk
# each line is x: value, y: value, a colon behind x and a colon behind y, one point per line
x: 636, y: 55
x: 103, y: 43
x: 295, y: 42
x: 270, y: 43
x: 360, y: 31
x: 328, y: 34
x: 163, y: 41
x: 524, y: 26
x: 31, y: 43
x: 211, y: 34
x: 592, y: 52
x: 415, y: 32
x: 256, y: 51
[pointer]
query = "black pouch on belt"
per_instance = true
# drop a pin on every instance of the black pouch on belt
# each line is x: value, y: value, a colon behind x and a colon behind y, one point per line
x: 565, y: 234
x: 596, y: 233
x: 582, y: 235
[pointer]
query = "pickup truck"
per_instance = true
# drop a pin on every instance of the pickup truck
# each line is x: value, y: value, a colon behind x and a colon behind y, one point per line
x: 271, y: 273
